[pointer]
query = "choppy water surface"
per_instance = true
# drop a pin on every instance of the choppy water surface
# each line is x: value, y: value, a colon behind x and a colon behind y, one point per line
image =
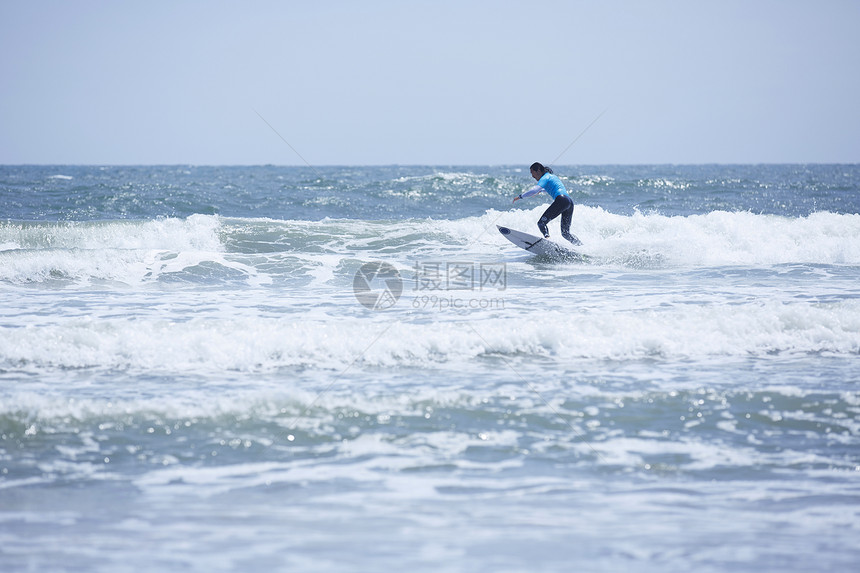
x: 188, y: 380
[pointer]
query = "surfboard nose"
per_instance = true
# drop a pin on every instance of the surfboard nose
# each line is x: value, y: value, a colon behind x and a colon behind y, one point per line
x: 504, y: 230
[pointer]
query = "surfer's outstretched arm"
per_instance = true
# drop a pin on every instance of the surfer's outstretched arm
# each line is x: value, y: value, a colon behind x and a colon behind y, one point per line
x: 533, y: 191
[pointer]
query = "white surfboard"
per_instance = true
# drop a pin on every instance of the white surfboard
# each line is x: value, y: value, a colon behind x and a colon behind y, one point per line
x: 538, y: 245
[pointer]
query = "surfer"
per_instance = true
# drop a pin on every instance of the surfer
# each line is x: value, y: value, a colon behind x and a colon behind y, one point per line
x: 562, y: 204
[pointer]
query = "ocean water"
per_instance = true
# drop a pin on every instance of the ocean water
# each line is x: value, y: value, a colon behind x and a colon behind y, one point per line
x: 350, y: 369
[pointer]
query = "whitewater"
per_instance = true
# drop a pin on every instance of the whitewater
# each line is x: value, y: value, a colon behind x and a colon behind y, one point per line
x: 191, y: 376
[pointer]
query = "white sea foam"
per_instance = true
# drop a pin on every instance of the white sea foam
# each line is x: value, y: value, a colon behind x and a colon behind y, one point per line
x: 199, y: 232
x: 574, y: 320
x: 715, y: 239
x: 129, y: 252
x: 132, y: 252
x: 252, y: 343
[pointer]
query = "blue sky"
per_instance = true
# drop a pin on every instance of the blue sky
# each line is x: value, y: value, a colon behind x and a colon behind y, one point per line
x: 435, y: 82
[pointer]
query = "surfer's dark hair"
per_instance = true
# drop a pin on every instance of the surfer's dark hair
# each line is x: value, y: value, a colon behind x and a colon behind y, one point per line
x: 539, y: 168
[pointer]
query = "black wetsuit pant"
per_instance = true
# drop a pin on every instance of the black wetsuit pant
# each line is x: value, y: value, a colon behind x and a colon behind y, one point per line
x: 563, y: 205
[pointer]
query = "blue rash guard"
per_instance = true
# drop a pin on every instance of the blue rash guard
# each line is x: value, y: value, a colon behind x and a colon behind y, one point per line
x: 549, y: 183
x: 562, y: 205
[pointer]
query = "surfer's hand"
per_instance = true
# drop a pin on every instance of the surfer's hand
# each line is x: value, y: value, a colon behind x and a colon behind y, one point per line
x: 517, y: 198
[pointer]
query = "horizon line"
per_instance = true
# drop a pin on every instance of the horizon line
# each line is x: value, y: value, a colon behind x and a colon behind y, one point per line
x: 460, y: 165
